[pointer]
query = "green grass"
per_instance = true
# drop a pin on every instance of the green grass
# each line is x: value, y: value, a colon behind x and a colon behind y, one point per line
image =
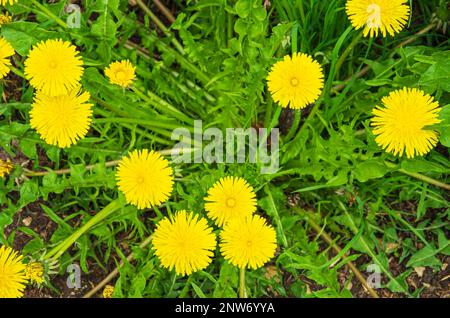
x: 337, y: 199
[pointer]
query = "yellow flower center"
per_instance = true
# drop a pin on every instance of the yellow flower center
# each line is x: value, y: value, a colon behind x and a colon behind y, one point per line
x: 52, y: 64
x: 120, y: 75
x: 140, y: 180
x: 294, y: 81
x: 374, y: 18
x: 230, y: 203
x: 249, y: 243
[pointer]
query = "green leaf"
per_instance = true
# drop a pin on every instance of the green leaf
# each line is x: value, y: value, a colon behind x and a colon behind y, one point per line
x: 137, y: 286
x: 198, y: 290
x: 378, y: 82
x: 422, y: 165
x: 33, y: 246
x: 243, y: 8
x: 22, y: 35
x: 424, y: 257
x: 370, y: 169
x: 437, y: 75
x: 28, y: 147
x: 228, y: 278
x: 29, y: 192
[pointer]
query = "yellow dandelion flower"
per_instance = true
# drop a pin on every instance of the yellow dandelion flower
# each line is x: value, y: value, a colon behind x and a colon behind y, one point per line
x: 248, y: 242
x: 61, y: 120
x: 34, y: 272
x: 230, y: 198
x: 295, y: 82
x: 5, y: 168
x: 5, y: 2
x: 54, y: 67
x: 184, y: 242
x: 5, y: 19
x: 400, y: 125
x: 108, y: 291
x: 6, y: 51
x: 145, y: 178
x: 12, y: 273
x: 387, y: 16
x: 121, y: 73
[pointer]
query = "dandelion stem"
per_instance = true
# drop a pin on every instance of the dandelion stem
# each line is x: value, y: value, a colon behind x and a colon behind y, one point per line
x: 49, y: 13
x: 426, y: 179
x: 242, y: 288
x: 418, y: 176
x: 59, y: 250
x: 295, y: 124
x: 276, y: 216
x: 272, y: 124
x: 185, y: 289
x: 347, y: 52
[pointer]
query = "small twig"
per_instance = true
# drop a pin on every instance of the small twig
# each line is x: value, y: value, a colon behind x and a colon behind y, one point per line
x: 161, y: 26
x: 30, y: 173
x: 114, y: 273
x: 164, y: 11
x: 327, y: 238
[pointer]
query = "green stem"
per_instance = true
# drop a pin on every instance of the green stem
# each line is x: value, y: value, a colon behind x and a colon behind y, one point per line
x: 294, y: 127
x: 276, y: 216
x: 310, y: 116
x: 185, y: 289
x: 419, y: 176
x: 49, y: 13
x: 242, y: 289
x: 268, y: 115
x: 426, y: 179
x: 58, y: 250
x: 272, y: 124
x: 347, y: 52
